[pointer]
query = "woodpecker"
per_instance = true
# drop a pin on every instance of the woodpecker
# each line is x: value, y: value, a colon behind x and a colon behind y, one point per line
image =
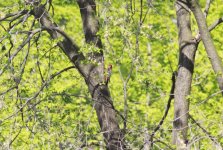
x: 109, y: 72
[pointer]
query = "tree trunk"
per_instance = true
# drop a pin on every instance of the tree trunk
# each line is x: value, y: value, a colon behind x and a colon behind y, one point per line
x: 184, y: 76
x: 93, y: 73
x: 99, y: 91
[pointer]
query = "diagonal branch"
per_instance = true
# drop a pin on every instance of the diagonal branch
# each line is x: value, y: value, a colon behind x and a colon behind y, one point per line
x: 92, y: 72
x: 208, y: 42
x: 210, y: 28
x: 105, y: 110
x: 40, y: 90
x: 215, y: 24
x: 8, y: 90
x: 15, y: 15
x: 208, y: 4
x: 167, y: 107
x: 150, y: 141
x: 204, y: 130
x: 26, y: 41
x: 67, y: 45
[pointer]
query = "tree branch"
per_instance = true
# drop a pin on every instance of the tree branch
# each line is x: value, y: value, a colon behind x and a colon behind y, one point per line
x: 17, y: 15
x: 165, y: 113
x: 204, y: 130
x: 40, y: 90
x: 215, y: 24
x: 207, y: 41
x: 208, y: 3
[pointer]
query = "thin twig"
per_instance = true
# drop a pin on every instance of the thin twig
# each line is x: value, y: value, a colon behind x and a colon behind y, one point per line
x: 15, y: 137
x: 215, y: 24
x: 40, y: 90
x: 204, y: 130
x: 8, y: 90
x: 13, y: 14
x: 167, y: 107
x: 24, y: 43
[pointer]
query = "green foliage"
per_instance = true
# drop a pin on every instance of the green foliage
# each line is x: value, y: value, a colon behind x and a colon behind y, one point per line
x: 62, y: 115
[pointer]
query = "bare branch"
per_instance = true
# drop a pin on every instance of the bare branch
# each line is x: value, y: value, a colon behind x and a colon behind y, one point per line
x: 204, y: 130
x: 25, y: 42
x: 208, y: 42
x: 159, y: 141
x: 8, y: 90
x: 22, y: 20
x: 210, y: 28
x: 165, y: 113
x: 40, y: 90
x: 40, y: 72
x: 215, y: 24
x: 59, y: 72
x: 17, y: 15
x: 15, y: 137
x: 167, y: 107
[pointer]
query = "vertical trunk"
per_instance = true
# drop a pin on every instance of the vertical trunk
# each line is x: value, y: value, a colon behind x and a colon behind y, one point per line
x: 207, y: 41
x: 100, y: 92
x: 184, y: 76
x: 93, y: 73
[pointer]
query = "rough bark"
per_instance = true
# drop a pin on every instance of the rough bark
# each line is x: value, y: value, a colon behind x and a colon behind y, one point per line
x: 93, y: 73
x: 100, y: 93
x: 207, y: 41
x: 187, y: 47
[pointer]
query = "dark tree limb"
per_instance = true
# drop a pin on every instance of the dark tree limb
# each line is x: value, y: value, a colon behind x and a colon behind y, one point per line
x: 11, y: 142
x: 150, y: 141
x: 93, y: 73
x: 15, y: 15
x: 100, y: 93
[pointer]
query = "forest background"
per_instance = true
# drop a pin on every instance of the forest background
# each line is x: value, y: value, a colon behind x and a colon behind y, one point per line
x: 46, y: 101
